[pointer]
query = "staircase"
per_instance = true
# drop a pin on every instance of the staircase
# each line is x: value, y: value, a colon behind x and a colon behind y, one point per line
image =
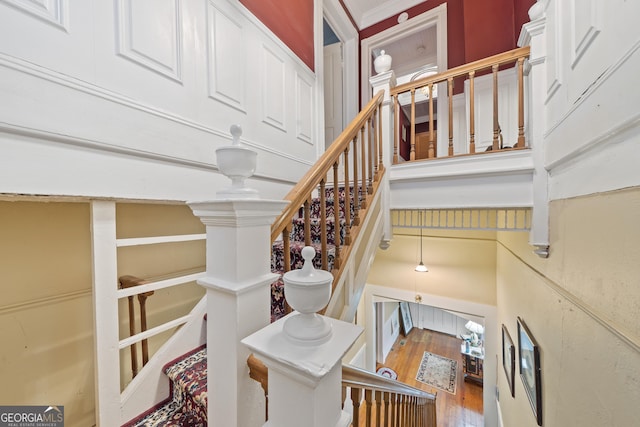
x: 335, y: 208
x: 297, y: 241
x: 187, y: 401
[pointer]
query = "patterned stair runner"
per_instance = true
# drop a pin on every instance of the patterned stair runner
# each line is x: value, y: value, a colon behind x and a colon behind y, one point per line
x: 296, y: 243
x: 187, y: 402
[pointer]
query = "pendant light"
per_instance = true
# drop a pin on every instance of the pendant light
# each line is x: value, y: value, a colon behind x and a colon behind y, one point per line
x: 421, y: 268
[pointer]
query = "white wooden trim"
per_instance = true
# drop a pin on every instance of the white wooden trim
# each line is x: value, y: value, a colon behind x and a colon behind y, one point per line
x: 436, y: 16
x: 348, y: 35
x: 161, y: 284
x: 153, y: 331
x: 105, y: 313
x: 137, y: 241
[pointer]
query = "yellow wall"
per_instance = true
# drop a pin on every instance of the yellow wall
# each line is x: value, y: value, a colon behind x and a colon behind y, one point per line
x: 46, y: 315
x: 579, y: 304
x: 46, y: 319
x: 461, y: 264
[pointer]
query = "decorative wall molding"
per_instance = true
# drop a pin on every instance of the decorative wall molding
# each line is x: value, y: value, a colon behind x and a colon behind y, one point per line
x: 615, y: 67
x: 273, y: 89
x: 225, y: 60
x: 50, y: 11
x: 304, y: 111
x: 142, y: 35
x: 554, y: 65
x: 119, y: 150
x: 600, y: 318
x: 99, y: 92
x: 585, y: 27
x: 48, y: 300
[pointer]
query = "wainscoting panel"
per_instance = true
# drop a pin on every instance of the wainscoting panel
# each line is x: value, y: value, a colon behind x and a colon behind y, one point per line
x: 304, y: 112
x: 460, y: 132
x: 273, y: 89
x: 151, y: 82
x: 50, y: 11
x: 150, y: 34
x: 584, y: 27
x: 226, y: 63
x: 507, y: 108
x: 554, y: 68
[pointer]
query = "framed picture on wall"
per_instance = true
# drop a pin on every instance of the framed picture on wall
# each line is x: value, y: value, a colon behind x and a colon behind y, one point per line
x: 405, y: 315
x: 530, y: 371
x: 508, y: 358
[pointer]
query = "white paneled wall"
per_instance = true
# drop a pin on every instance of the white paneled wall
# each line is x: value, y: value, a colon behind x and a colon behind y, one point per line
x: 591, y: 119
x: 151, y: 85
x: 483, y: 100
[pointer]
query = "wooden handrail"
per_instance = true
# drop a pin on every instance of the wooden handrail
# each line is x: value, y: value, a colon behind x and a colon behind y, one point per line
x: 311, y: 180
x: 358, y: 151
x: 480, y: 64
x: 490, y: 64
x: 394, y: 402
x: 356, y: 377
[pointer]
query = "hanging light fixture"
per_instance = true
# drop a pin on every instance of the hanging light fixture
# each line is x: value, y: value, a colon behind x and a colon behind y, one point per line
x: 421, y: 267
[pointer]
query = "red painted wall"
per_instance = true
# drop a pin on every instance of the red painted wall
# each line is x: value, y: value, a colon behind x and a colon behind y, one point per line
x: 291, y: 21
x: 488, y: 28
x: 521, y: 15
x: 475, y: 28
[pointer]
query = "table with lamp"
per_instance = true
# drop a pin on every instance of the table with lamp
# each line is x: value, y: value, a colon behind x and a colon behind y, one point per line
x: 473, y: 353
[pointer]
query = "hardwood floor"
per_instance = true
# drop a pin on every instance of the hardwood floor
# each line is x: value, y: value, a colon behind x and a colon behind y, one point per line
x: 464, y: 409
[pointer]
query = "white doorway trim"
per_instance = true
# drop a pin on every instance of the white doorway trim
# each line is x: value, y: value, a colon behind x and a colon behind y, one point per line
x: 374, y: 293
x: 436, y: 16
x: 348, y: 35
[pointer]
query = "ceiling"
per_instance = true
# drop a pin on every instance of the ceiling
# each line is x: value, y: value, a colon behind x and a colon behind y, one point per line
x: 409, y: 54
x: 369, y: 12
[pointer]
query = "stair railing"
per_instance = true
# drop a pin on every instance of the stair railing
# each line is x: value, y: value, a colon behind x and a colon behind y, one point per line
x: 129, y: 282
x: 468, y: 71
x: 386, y: 402
x: 353, y: 162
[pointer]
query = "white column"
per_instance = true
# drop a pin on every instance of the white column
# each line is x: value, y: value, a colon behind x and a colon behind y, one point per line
x: 304, y: 380
x: 533, y: 34
x: 105, y: 313
x: 238, y: 282
x: 386, y: 81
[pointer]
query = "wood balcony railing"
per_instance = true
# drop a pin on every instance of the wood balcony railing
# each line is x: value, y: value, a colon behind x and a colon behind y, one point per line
x: 386, y: 402
x: 469, y: 72
x: 353, y: 166
x: 130, y: 282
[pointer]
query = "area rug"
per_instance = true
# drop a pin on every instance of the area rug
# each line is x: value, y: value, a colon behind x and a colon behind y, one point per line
x: 438, y: 372
x: 387, y: 372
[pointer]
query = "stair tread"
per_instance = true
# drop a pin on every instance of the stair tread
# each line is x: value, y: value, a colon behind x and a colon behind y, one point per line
x: 190, y: 374
x: 187, y: 401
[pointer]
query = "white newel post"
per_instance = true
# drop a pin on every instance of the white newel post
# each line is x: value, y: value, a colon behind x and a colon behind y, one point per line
x: 533, y: 34
x: 386, y: 80
x: 303, y: 352
x: 238, y: 278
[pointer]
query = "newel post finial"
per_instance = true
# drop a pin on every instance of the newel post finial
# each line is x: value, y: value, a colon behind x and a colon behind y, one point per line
x: 307, y: 291
x: 237, y: 163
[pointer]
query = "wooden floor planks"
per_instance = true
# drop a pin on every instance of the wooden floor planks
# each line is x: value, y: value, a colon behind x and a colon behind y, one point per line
x: 464, y: 409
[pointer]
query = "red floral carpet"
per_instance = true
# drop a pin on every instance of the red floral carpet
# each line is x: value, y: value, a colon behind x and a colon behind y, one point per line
x: 187, y: 402
x: 296, y: 238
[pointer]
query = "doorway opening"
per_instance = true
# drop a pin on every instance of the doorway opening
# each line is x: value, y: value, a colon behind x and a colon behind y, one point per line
x: 333, y: 84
